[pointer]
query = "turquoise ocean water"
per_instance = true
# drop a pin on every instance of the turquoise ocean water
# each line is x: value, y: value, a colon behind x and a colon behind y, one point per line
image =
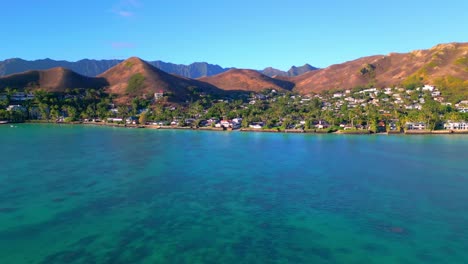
x: 82, y: 194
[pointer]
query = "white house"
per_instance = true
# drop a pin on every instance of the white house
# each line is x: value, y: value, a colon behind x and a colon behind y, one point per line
x: 158, y: 95
x: 413, y: 106
x: 224, y: 123
x: 416, y: 125
x: 257, y: 125
x: 236, y: 122
x: 114, y: 119
x: 429, y: 88
x: 435, y: 93
x: 456, y: 125
x: 322, y: 124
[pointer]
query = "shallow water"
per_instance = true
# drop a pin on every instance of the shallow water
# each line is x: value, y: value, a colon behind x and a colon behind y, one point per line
x: 82, y: 194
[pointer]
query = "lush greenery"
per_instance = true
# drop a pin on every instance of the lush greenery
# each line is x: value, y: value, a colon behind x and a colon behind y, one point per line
x: 135, y: 84
x: 453, y: 88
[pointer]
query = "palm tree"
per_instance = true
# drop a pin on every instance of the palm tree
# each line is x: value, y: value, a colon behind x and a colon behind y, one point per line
x: 9, y: 93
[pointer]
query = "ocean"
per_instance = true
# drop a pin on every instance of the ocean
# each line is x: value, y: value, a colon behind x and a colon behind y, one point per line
x: 85, y: 194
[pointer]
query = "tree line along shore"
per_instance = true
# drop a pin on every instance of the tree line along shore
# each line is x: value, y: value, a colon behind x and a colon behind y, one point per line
x: 393, y: 110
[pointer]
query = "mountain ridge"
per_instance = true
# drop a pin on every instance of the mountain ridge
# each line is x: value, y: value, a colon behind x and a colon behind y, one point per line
x: 292, y: 72
x: 52, y: 80
x: 405, y: 69
x: 92, y: 68
x: 246, y: 80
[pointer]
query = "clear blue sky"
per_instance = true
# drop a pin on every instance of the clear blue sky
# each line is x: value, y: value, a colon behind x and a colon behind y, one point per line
x: 241, y: 33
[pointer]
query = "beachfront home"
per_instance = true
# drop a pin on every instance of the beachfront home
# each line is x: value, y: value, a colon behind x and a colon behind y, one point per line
x: 236, y: 123
x: 160, y: 123
x: 415, y: 125
x: 212, y: 121
x: 256, y: 125
x: 114, y: 119
x: 381, y: 127
x: 190, y: 121
x: 346, y: 126
x: 133, y: 120
x: 224, y: 124
x: 456, y: 125
x: 322, y: 124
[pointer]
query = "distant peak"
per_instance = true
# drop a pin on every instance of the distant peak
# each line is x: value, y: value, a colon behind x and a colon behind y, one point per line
x: 134, y: 59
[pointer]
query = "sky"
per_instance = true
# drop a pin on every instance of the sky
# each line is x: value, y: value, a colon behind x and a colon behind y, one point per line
x: 243, y: 33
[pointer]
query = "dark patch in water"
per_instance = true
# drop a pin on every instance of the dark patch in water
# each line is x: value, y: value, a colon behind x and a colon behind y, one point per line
x: 324, y: 253
x: 58, y: 200
x: 8, y: 210
x: 243, y: 246
x: 375, y: 248
x: 124, y: 252
x: 74, y: 193
x: 427, y: 257
x: 69, y: 256
x: 96, y: 208
x: 85, y: 241
x: 344, y: 250
x: 91, y: 184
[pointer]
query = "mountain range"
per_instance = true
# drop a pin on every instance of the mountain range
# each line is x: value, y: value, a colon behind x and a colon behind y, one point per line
x: 445, y: 65
x: 294, y: 71
x: 246, y: 80
x: 93, y: 68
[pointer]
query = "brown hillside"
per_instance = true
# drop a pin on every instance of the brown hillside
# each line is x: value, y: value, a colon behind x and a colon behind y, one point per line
x: 246, y: 80
x: 135, y: 77
x: 53, y: 80
x: 427, y: 66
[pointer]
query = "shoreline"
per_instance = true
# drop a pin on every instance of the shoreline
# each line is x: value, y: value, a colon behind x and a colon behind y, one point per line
x: 287, y: 131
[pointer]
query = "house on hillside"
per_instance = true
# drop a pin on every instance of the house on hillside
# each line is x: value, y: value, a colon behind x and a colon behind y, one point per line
x: 435, y: 93
x: 158, y: 95
x: 16, y: 108
x: 21, y: 96
x: 429, y: 88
